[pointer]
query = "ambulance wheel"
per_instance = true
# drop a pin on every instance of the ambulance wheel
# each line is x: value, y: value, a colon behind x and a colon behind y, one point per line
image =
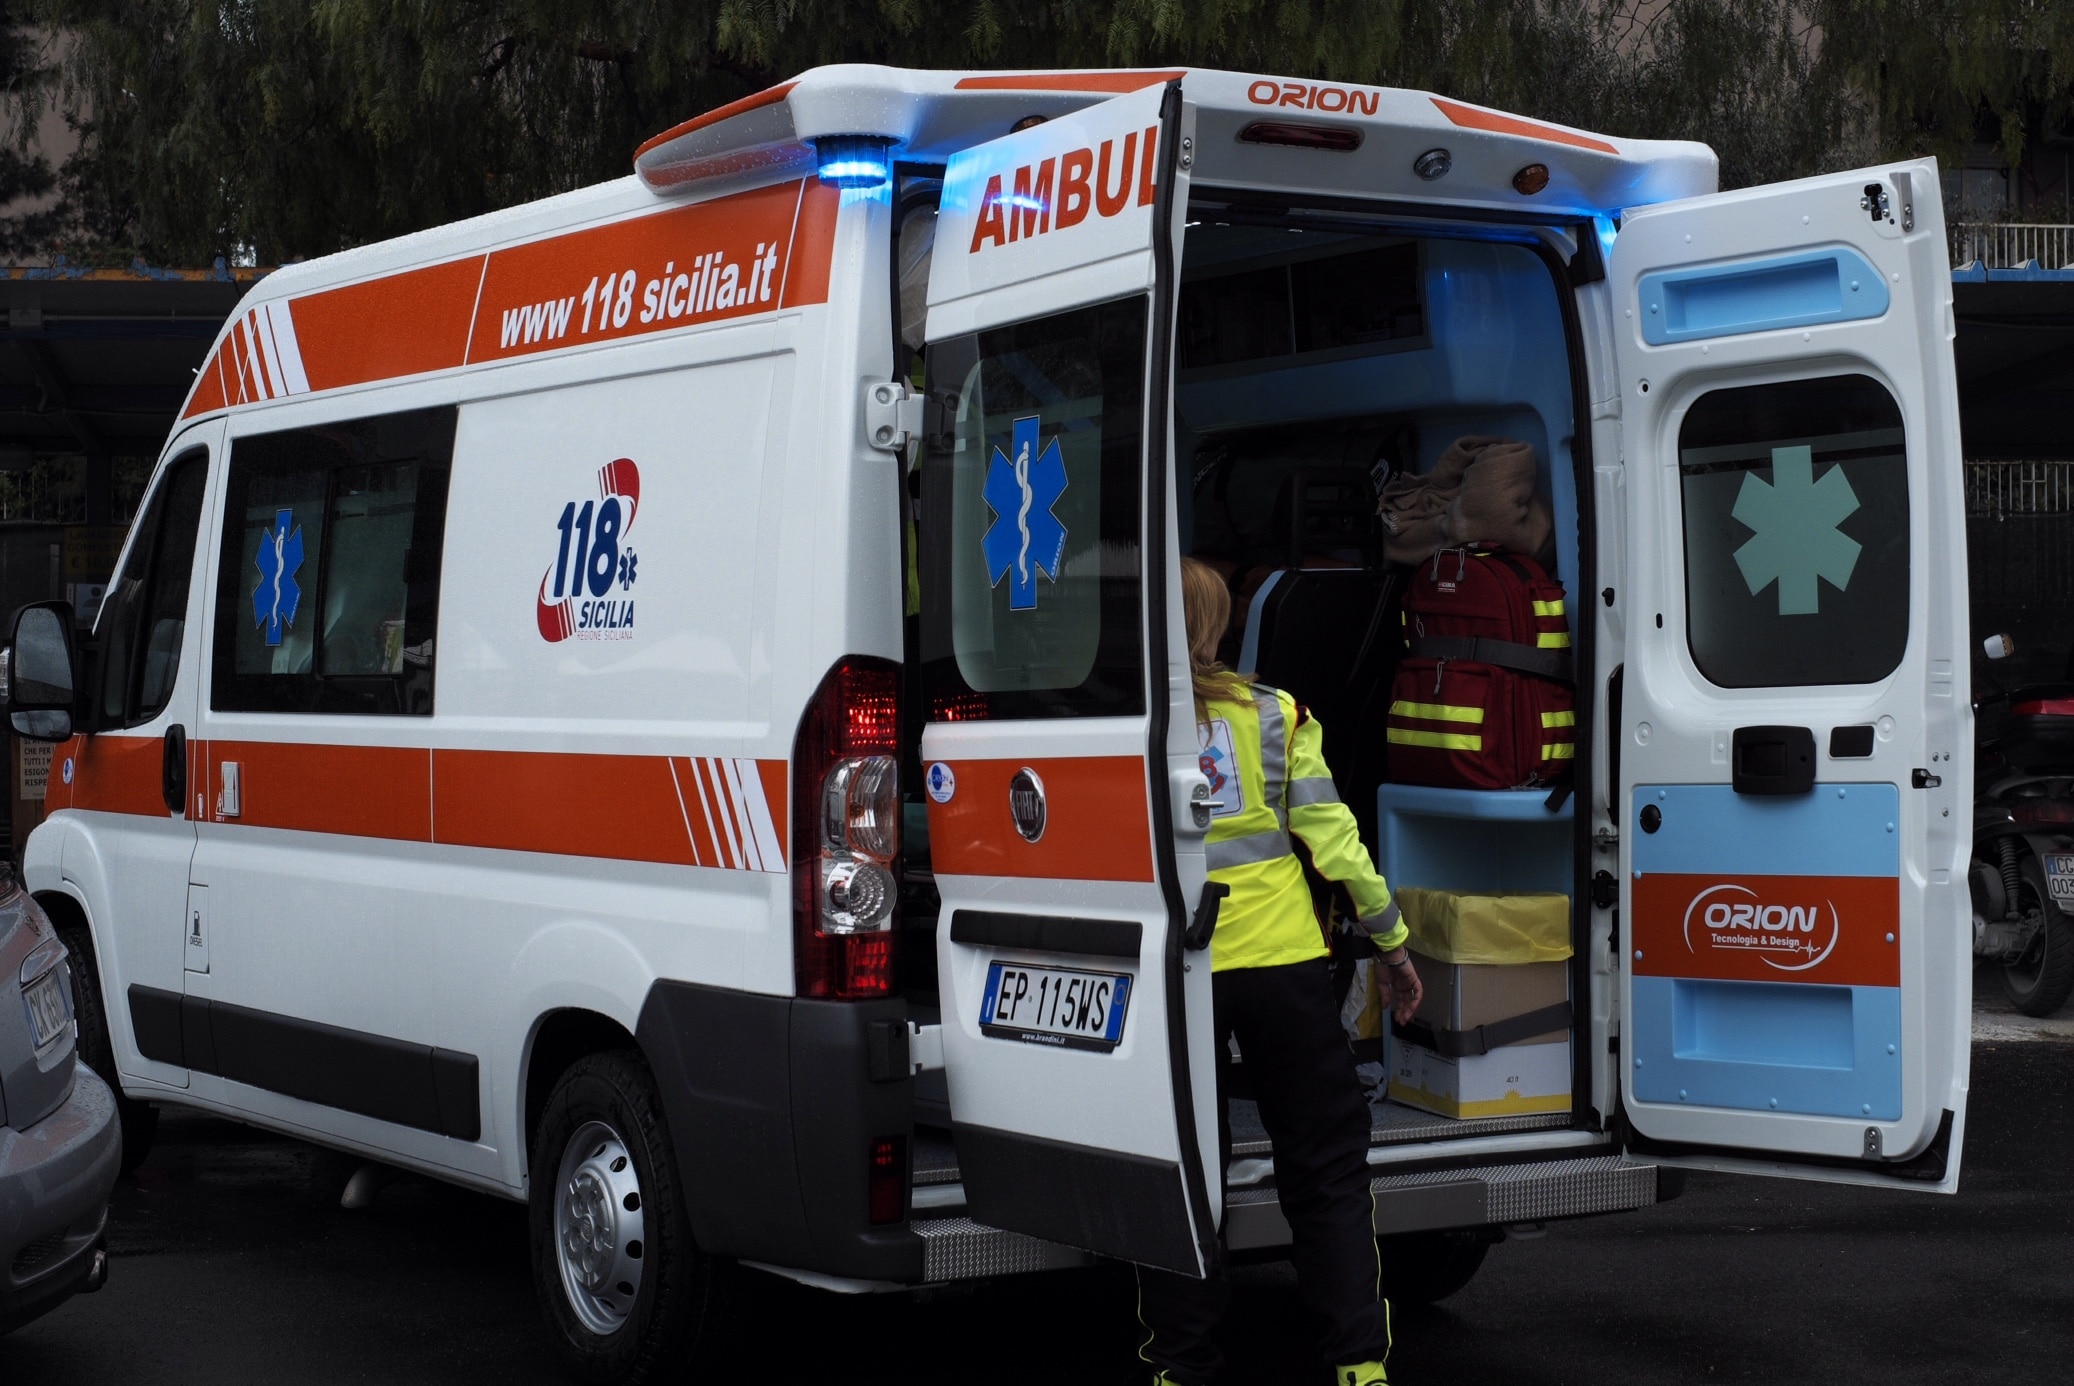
x: 624, y: 1288
x: 1427, y: 1267
x: 2040, y: 982
x: 139, y: 1120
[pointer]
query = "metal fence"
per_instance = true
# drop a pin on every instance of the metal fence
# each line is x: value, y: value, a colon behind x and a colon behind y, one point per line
x: 2020, y: 561
x: 2004, y: 244
x: 1998, y: 490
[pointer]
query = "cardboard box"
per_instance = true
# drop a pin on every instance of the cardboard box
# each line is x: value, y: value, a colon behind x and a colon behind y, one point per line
x: 1527, y: 1076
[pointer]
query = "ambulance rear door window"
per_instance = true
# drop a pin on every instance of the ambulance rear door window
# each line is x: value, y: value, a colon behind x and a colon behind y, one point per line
x: 1031, y: 497
x: 1796, y: 533
x: 328, y: 594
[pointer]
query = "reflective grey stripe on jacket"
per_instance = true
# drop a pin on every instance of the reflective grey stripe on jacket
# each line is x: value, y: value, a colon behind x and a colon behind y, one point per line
x: 1313, y: 789
x: 1269, y: 843
x: 1376, y: 925
x: 1274, y: 750
x: 1245, y: 851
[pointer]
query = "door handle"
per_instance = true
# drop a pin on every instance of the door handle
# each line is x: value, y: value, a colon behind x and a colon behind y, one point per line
x: 1773, y: 760
x: 173, y: 771
x: 1205, y: 922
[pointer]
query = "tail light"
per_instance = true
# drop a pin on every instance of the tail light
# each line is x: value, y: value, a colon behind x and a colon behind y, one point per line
x: 846, y: 832
x: 2033, y: 813
x: 885, y: 1194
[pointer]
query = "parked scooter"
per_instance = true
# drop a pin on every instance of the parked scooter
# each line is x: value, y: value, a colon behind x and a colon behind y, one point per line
x: 2022, y: 872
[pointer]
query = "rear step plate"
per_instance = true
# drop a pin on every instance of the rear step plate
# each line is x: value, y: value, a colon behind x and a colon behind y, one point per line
x: 957, y: 1248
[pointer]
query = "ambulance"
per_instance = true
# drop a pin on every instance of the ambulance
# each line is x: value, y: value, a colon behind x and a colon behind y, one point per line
x: 669, y: 703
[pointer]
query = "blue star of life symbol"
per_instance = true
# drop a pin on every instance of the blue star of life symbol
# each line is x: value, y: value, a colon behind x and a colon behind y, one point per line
x: 1025, y: 536
x: 280, y: 556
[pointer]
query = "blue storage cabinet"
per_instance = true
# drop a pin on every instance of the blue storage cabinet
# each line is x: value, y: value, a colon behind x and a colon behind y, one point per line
x: 1473, y: 839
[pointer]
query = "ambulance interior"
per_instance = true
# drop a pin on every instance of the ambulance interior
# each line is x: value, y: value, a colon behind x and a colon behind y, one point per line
x: 1312, y: 365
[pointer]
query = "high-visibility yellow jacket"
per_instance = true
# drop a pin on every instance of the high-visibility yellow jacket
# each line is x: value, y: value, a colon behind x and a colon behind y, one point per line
x: 1267, y: 772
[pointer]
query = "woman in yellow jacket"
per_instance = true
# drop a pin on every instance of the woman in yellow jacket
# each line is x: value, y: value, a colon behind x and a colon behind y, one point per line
x: 1262, y: 753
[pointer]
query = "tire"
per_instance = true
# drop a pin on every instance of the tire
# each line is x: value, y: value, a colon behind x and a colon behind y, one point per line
x: 1427, y: 1267
x: 2041, y: 983
x: 139, y: 1120
x: 625, y: 1291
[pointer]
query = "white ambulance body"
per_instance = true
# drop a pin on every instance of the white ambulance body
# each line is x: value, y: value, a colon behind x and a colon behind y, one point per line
x: 511, y: 657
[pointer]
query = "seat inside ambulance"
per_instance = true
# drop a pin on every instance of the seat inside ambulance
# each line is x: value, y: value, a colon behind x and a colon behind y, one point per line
x: 1313, y: 367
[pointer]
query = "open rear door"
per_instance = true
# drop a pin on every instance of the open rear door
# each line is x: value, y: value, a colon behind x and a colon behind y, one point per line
x: 1795, y: 736
x: 1060, y: 752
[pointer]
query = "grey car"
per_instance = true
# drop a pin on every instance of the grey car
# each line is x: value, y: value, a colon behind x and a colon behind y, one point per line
x: 60, y: 1140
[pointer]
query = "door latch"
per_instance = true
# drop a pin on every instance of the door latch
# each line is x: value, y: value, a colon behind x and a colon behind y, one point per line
x: 892, y: 415
x: 1923, y: 779
x: 924, y: 1048
x: 1874, y: 203
x: 1193, y: 807
x: 897, y: 1049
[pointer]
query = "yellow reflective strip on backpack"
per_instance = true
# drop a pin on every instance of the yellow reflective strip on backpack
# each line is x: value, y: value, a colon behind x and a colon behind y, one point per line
x: 1441, y: 741
x: 1554, y: 640
x: 1558, y: 719
x: 1559, y: 750
x: 1554, y: 608
x: 1437, y: 712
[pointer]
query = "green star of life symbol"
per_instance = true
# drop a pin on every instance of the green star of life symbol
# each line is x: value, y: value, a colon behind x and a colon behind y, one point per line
x: 1797, y: 540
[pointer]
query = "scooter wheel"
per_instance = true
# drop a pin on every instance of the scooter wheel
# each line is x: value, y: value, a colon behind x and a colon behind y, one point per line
x: 2040, y: 982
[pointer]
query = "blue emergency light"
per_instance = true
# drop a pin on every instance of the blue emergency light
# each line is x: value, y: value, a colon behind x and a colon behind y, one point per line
x: 855, y: 161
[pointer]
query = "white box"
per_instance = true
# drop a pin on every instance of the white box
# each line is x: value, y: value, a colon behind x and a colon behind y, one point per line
x: 1515, y: 1080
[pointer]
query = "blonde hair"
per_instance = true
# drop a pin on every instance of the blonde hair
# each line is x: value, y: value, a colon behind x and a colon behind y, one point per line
x: 1206, y: 611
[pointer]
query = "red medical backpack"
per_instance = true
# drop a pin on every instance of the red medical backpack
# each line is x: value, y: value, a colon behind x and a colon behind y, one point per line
x: 1483, y: 698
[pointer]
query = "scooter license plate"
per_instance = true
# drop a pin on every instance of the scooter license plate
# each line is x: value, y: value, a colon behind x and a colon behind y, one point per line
x: 2059, y: 878
x: 1052, y: 1005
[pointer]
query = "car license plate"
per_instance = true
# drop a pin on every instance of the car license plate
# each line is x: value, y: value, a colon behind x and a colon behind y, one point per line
x: 1051, y: 1005
x: 2059, y: 878
x: 48, y: 1014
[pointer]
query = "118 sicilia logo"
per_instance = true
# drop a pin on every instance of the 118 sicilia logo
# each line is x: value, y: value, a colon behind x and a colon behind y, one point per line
x: 587, y: 591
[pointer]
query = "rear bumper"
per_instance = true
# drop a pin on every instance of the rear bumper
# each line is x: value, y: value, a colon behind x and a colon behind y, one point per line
x: 773, y: 1106
x: 55, y: 1179
x: 956, y: 1248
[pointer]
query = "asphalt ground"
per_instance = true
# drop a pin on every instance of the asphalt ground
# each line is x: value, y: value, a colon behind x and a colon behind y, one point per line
x: 233, y: 1263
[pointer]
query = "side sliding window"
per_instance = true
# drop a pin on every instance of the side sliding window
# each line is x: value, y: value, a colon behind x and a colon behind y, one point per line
x: 143, y: 619
x: 328, y: 594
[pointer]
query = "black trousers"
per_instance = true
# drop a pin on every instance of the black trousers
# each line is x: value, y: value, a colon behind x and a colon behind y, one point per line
x: 1302, y: 1074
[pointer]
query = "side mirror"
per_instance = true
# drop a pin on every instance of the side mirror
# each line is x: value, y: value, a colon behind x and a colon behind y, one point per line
x: 38, y: 672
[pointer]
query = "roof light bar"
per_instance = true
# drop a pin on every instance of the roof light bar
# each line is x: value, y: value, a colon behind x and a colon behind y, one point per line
x: 855, y: 161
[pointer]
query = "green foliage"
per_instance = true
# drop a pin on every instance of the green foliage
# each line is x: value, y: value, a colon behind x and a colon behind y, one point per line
x: 1937, y: 75
x: 285, y: 128
x: 23, y: 172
